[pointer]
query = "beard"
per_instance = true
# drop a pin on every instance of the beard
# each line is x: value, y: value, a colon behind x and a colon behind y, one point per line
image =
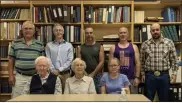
x: 156, y: 36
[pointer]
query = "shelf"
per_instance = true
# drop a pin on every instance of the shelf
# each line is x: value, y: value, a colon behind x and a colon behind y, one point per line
x: 76, y: 43
x: 59, y: 23
x: 56, y: 2
x: 4, y: 59
x: 113, y: 2
x: 107, y: 40
x: 5, y: 94
x: 13, y: 20
x: 5, y: 74
x: 161, y: 23
x: 155, y: 5
x: 18, y: 4
x: 108, y: 24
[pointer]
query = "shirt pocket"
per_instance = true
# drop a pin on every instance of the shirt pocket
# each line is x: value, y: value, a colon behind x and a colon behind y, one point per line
x: 165, y: 55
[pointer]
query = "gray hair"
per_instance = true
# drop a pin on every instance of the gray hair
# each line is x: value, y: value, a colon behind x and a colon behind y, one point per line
x: 28, y: 22
x: 74, y: 63
x: 55, y: 25
x: 43, y: 57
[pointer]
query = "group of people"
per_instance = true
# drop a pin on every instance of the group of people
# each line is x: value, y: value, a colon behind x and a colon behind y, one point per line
x: 46, y: 70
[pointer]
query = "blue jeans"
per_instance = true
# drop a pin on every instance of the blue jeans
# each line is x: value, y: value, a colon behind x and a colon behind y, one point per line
x: 160, y: 83
x: 97, y: 83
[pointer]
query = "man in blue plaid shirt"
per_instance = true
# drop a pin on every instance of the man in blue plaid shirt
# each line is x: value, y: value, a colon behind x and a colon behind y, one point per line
x: 158, y: 55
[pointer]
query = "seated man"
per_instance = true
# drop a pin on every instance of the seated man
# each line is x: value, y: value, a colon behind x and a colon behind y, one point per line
x: 44, y: 82
x: 79, y: 83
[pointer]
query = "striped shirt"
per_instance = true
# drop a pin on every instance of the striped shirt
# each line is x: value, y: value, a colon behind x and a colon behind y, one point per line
x: 25, y: 55
x: 158, y: 57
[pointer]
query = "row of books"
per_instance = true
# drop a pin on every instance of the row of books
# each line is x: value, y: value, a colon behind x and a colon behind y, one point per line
x: 10, y: 30
x: 3, y: 51
x: 169, y: 14
x: 142, y: 33
x: 71, y: 33
x: 15, y: 13
x: 4, y: 86
x: 110, y: 14
x: 59, y: 13
x: 4, y: 65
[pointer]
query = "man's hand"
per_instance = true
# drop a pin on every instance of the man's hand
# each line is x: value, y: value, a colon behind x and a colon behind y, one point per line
x: 55, y: 71
x: 143, y: 78
x: 136, y: 82
x: 173, y: 78
x: 12, y: 80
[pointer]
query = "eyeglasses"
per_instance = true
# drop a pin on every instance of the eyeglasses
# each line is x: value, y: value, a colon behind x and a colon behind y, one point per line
x: 113, y: 66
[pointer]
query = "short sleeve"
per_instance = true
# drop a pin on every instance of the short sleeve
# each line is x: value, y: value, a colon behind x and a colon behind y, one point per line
x: 125, y: 80
x: 12, y: 51
x: 103, y: 79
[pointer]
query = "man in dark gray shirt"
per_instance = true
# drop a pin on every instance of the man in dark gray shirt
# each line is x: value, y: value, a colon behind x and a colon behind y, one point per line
x: 93, y: 54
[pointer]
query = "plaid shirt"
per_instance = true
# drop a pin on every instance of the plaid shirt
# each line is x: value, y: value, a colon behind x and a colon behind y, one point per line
x: 158, y: 57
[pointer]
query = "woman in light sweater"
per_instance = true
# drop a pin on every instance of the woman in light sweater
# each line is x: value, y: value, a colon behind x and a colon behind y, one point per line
x: 79, y: 83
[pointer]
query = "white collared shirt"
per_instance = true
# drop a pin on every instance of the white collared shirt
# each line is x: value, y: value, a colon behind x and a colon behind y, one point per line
x: 84, y: 85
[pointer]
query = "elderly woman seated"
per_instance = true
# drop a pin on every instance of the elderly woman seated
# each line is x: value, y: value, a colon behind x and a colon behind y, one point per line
x: 113, y: 82
x: 44, y: 82
x: 79, y: 83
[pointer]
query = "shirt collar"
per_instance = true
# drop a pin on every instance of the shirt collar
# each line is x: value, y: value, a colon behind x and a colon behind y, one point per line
x: 82, y: 79
x: 23, y: 41
x: 45, y: 76
x: 161, y: 40
x: 59, y: 42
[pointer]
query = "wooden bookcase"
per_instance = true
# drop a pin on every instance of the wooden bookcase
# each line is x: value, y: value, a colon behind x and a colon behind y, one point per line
x: 100, y: 29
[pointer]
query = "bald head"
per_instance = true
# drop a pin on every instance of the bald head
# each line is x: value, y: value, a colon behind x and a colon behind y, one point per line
x: 155, y: 31
x: 123, y: 29
x: 123, y: 34
x: 155, y: 25
x: 89, y: 29
x: 89, y: 34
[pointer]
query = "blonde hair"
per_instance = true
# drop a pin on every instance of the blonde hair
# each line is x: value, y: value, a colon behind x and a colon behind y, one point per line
x: 112, y: 60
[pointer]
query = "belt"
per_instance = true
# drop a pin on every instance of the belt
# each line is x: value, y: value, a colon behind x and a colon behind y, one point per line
x: 24, y: 74
x: 158, y: 73
x: 64, y: 72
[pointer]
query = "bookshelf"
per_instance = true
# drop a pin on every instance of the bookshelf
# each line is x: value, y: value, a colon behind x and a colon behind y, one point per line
x: 102, y: 27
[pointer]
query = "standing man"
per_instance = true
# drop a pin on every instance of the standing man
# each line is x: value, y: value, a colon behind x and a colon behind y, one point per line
x: 60, y: 53
x: 93, y: 54
x: 158, y: 55
x: 22, y: 55
x: 128, y: 55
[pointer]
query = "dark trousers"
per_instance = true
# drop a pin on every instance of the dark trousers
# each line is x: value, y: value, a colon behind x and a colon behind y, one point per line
x: 161, y: 84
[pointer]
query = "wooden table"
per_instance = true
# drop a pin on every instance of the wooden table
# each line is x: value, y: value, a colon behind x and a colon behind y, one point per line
x: 80, y: 97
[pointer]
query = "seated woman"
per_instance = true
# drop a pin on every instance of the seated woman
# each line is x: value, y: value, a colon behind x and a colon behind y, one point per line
x: 79, y: 83
x: 113, y: 82
x: 44, y: 82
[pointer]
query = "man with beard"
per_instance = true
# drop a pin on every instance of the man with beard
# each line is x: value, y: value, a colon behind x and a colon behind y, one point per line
x: 60, y: 53
x: 128, y: 55
x: 93, y: 54
x: 158, y: 55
